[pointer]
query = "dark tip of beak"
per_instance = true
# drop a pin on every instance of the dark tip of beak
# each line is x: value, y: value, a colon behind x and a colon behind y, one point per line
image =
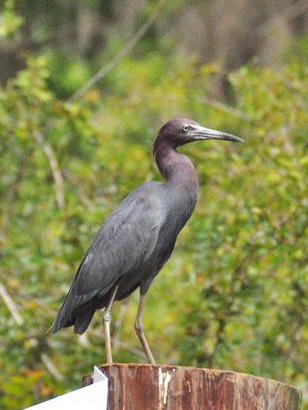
x: 202, y: 133
x: 232, y: 138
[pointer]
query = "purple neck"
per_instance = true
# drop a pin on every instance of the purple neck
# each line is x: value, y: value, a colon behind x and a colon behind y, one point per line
x: 175, y: 167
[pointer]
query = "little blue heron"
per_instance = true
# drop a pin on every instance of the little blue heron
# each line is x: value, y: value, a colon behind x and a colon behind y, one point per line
x: 137, y: 239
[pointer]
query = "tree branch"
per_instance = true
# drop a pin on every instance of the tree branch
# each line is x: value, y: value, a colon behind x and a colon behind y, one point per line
x: 19, y: 321
x: 54, y: 165
x: 289, y: 13
x: 218, y: 105
x: 11, y: 305
x: 120, y: 56
x: 51, y: 367
x: 12, y: 194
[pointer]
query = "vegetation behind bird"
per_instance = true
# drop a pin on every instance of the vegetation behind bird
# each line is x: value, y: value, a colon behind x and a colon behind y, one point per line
x: 235, y: 293
x: 137, y: 239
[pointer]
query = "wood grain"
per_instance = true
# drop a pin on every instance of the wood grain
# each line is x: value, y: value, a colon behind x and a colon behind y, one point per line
x: 149, y: 387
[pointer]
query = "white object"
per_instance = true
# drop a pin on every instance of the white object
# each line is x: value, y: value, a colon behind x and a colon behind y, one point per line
x: 92, y: 397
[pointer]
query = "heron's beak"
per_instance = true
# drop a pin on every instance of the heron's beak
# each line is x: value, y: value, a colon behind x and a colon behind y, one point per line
x: 201, y: 133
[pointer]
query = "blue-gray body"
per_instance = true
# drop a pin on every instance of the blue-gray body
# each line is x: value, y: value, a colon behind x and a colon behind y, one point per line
x: 138, y: 238
x: 130, y: 248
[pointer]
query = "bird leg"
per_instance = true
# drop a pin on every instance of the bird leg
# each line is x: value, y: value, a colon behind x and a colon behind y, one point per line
x: 139, y: 330
x: 107, y: 320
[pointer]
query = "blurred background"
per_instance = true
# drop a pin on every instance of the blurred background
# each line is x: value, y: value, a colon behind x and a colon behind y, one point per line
x: 84, y: 87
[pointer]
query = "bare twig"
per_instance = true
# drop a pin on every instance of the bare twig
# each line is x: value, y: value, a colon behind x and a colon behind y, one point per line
x: 218, y: 105
x: 82, y: 195
x: 55, y: 169
x: 289, y: 13
x: 83, y: 340
x: 12, y: 194
x: 120, y: 56
x: 11, y: 305
x: 51, y: 367
x: 19, y: 321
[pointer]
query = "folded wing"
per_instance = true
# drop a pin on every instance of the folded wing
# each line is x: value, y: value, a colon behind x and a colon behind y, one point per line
x: 123, y: 243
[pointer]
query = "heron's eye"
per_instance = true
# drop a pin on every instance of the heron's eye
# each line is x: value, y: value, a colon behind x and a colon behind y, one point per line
x: 185, y: 128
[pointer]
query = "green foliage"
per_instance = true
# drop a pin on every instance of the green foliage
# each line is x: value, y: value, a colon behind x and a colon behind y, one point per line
x: 234, y: 295
x: 9, y: 21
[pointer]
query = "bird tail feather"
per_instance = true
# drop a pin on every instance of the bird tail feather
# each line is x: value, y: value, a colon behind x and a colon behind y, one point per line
x: 82, y: 321
x: 65, y: 315
x: 60, y: 321
x: 75, y: 312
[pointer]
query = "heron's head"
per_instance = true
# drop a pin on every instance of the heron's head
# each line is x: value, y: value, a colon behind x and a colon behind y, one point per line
x: 180, y: 131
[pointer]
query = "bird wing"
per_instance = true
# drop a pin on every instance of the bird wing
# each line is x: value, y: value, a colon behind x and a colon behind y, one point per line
x: 126, y: 239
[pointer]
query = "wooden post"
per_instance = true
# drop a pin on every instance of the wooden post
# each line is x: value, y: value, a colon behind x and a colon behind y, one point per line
x: 161, y: 387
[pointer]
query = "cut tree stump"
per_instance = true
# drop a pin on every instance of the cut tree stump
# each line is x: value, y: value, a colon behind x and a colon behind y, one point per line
x: 161, y: 387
